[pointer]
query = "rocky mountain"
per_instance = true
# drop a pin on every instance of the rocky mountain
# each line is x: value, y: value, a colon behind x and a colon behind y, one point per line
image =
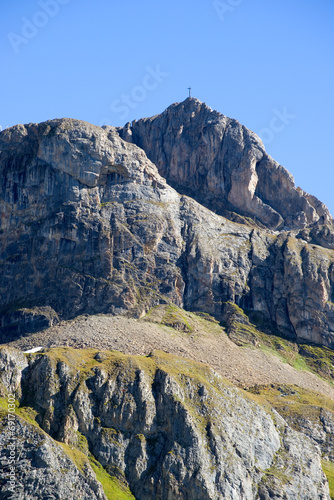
x: 146, y: 225
x: 161, y: 425
x: 89, y: 225
x: 224, y: 166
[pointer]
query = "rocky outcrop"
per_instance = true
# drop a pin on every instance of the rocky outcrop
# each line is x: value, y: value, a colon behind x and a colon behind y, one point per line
x: 56, y: 246
x: 25, y: 320
x: 305, y: 411
x: 89, y: 226
x: 318, y: 425
x: 167, y: 427
x: 12, y: 364
x: 42, y: 468
x: 223, y: 165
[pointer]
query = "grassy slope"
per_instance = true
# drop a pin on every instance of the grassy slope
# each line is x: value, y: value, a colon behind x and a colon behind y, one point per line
x: 290, y: 401
x: 328, y: 468
x: 260, y: 334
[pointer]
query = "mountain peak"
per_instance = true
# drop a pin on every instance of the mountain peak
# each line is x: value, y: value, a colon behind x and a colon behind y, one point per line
x: 192, y: 101
x: 224, y: 166
x: 190, y: 105
x: 89, y: 224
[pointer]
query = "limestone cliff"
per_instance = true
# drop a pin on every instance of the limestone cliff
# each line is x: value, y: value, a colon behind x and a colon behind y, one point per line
x: 162, y: 426
x: 224, y: 165
x: 89, y: 225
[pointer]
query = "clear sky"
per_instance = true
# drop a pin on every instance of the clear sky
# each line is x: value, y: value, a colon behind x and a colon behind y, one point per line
x: 267, y: 63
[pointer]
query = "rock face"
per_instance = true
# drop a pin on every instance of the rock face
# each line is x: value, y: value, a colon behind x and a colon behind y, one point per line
x: 57, y: 247
x: 43, y: 469
x: 167, y: 427
x: 88, y: 225
x: 223, y: 165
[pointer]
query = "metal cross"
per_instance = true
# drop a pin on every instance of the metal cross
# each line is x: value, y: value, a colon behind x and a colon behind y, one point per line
x: 189, y: 88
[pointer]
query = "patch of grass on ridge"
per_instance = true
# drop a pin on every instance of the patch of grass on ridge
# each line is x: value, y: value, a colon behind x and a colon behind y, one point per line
x: 328, y: 468
x: 113, y: 489
x: 265, y: 336
x: 191, y: 323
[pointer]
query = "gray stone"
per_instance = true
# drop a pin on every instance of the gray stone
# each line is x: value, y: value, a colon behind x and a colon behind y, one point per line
x: 12, y: 363
x: 89, y: 225
x: 42, y: 469
x: 223, y: 165
x: 169, y: 428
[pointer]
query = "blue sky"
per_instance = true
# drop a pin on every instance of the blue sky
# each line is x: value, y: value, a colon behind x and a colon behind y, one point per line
x: 267, y: 63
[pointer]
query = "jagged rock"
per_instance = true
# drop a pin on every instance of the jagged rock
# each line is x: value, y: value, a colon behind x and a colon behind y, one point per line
x: 238, y: 326
x: 42, y: 468
x: 170, y: 428
x: 318, y: 425
x: 292, y: 470
x: 319, y: 234
x: 56, y: 247
x: 223, y: 165
x: 24, y: 321
x: 308, y: 413
x: 12, y: 363
x: 89, y: 226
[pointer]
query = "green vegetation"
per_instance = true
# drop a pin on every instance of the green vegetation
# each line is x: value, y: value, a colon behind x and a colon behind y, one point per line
x: 176, y: 318
x: 293, y: 396
x: 107, y: 204
x: 112, y: 487
x: 253, y: 330
x: 82, y: 444
x: 328, y: 468
x: 3, y: 406
x: 185, y: 321
x: 207, y: 317
x: 294, y: 403
x: 25, y: 412
x: 318, y: 359
x: 83, y: 360
x: 78, y: 457
x: 158, y: 203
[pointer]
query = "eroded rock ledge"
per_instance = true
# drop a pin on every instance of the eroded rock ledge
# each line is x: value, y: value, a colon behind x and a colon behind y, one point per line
x: 164, y: 426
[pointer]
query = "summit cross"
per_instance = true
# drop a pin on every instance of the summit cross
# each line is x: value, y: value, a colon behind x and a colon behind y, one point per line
x: 189, y: 88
